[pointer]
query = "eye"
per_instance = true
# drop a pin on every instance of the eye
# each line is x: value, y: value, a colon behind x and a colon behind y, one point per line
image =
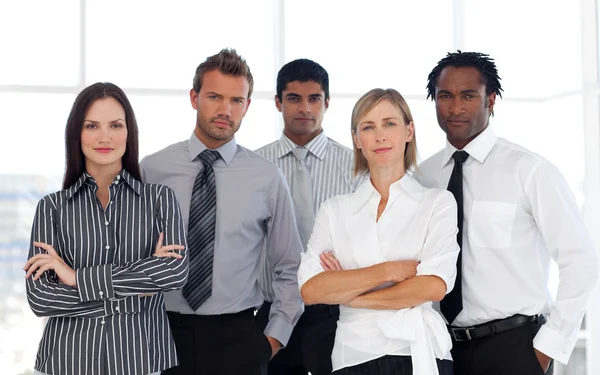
x: 117, y: 125
x: 212, y: 97
x: 444, y: 96
x: 390, y: 124
x: 315, y: 99
x: 239, y: 101
x: 292, y: 99
x: 368, y: 127
x: 90, y: 126
x: 469, y: 96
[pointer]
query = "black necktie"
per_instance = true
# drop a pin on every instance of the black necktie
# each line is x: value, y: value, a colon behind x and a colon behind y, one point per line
x: 452, y: 304
x: 201, y: 233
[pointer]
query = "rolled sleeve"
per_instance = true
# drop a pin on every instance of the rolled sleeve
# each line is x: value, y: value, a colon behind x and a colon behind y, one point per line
x: 440, y: 250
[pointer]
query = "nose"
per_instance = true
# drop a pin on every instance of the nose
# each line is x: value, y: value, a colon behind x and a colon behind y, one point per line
x: 104, y: 134
x: 457, y: 106
x: 224, y: 108
x: 304, y: 107
x: 380, y: 135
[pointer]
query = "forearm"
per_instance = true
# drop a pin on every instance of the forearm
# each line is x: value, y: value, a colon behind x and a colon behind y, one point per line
x: 409, y: 293
x: 339, y: 287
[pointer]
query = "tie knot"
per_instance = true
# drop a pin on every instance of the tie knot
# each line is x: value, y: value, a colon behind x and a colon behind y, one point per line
x: 460, y: 156
x: 208, y: 157
x: 300, y: 153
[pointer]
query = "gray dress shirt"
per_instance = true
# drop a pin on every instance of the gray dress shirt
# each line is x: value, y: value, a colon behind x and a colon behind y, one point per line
x: 254, y: 209
x: 105, y: 326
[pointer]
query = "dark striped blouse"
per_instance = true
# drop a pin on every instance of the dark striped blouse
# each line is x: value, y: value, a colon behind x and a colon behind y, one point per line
x: 106, y: 325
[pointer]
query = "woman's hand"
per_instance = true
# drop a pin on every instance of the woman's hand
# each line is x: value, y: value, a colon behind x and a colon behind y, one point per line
x: 329, y: 262
x: 41, y: 263
x: 167, y: 251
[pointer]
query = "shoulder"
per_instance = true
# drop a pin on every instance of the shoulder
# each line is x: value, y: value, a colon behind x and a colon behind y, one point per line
x: 427, y: 171
x: 260, y: 164
x: 168, y: 153
x: 267, y: 149
x: 338, y: 147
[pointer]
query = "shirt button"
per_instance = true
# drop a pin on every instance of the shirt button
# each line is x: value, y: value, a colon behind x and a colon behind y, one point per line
x: 106, y: 223
x: 101, y: 293
x: 102, y: 322
x: 117, y: 308
x: 107, y: 247
x: 110, y: 202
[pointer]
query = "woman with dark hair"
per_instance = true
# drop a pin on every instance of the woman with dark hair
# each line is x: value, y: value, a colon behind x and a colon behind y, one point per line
x: 103, y: 249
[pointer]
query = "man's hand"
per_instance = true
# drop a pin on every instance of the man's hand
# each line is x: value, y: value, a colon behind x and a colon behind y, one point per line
x: 543, y: 359
x: 275, y: 345
x: 41, y: 263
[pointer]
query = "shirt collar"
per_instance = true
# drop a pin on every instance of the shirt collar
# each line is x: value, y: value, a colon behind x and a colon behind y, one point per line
x: 227, y: 151
x: 123, y: 176
x: 479, y: 148
x: 317, y: 146
x: 406, y: 185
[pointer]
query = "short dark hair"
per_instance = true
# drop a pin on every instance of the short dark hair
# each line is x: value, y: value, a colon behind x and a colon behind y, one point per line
x: 74, y: 158
x: 480, y: 61
x: 302, y: 70
x: 227, y: 62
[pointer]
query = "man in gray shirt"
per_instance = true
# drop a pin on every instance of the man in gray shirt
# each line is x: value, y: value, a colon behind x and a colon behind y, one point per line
x: 233, y: 203
x: 317, y: 168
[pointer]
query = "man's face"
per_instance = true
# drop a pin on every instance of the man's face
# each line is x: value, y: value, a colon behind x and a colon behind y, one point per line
x: 221, y: 105
x: 303, y: 106
x: 462, y: 106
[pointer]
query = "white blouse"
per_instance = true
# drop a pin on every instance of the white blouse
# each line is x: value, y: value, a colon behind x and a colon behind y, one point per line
x: 417, y: 224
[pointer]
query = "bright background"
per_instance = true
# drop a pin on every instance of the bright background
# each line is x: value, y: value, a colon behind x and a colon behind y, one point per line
x: 546, y: 52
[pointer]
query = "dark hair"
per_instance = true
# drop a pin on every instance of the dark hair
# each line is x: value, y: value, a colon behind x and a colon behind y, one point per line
x: 482, y: 62
x: 75, y: 160
x: 227, y: 62
x: 302, y: 70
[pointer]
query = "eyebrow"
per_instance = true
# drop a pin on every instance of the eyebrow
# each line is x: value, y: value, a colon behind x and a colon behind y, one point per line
x: 291, y: 94
x: 97, y: 122
x: 468, y: 91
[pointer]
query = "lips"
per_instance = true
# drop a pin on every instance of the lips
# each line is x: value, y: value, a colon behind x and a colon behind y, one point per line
x: 103, y: 150
x: 382, y: 150
x: 457, y: 122
x: 303, y: 119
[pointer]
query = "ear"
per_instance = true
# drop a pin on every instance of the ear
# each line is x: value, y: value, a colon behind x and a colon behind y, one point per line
x: 491, y: 101
x: 194, y: 99
x: 327, y: 104
x: 355, y: 139
x: 247, y: 106
x: 277, y: 103
x: 410, y: 131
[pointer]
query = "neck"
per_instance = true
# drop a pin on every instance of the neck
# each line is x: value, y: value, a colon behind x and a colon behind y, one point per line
x: 104, y: 175
x: 383, y: 177
x: 209, y: 142
x: 302, y: 139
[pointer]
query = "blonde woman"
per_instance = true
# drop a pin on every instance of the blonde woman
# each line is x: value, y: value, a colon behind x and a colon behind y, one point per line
x: 385, y: 252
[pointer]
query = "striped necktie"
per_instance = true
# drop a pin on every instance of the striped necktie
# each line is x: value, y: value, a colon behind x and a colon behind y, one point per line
x: 201, y: 233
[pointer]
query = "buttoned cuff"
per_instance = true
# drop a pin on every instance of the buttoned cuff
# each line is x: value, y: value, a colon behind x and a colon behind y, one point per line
x: 127, y: 305
x: 279, y: 329
x: 95, y: 283
x: 554, y: 344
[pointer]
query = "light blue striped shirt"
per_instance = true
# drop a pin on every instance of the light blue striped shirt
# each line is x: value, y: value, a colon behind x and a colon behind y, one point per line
x: 330, y: 165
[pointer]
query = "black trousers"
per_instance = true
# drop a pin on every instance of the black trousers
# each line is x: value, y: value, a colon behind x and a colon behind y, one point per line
x: 506, y: 353
x: 228, y: 344
x: 392, y: 365
x: 311, y: 342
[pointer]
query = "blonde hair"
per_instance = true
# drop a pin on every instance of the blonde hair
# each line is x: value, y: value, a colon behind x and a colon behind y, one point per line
x: 363, y: 106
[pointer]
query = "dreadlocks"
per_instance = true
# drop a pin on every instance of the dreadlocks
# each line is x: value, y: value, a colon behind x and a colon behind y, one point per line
x: 482, y: 62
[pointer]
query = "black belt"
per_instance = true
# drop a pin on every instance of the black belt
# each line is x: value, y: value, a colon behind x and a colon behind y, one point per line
x: 494, y: 327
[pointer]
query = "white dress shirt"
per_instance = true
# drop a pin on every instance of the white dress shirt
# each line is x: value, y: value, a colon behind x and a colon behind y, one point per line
x: 417, y: 224
x: 518, y: 213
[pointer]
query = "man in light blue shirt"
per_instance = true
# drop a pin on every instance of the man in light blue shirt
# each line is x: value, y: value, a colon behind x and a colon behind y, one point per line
x: 253, y: 211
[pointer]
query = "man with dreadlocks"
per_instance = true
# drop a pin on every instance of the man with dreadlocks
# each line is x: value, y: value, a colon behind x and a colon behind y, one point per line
x: 516, y: 212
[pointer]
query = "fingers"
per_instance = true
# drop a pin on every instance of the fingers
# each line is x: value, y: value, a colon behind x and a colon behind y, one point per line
x: 172, y: 248
x: 330, y: 261
x: 43, y: 269
x: 160, y: 241
x: 37, y: 264
x: 46, y: 247
x: 34, y: 259
x: 168, y: 255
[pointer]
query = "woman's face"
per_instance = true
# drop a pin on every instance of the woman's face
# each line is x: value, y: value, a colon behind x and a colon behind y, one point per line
x: 104, y: 134
x: 382, y: 135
